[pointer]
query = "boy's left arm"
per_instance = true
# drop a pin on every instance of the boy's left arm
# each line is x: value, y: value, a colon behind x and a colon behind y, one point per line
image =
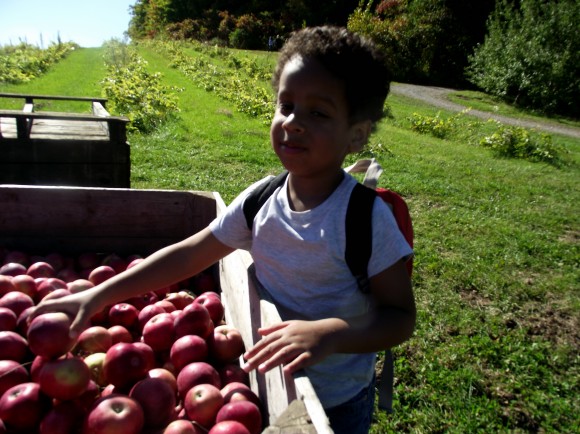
x: 298, y: 344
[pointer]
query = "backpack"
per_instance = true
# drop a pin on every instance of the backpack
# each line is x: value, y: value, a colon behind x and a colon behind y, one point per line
x: 358, y: 237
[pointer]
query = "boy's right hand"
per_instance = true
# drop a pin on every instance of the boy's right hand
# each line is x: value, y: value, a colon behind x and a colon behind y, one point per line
x: 79, y: 307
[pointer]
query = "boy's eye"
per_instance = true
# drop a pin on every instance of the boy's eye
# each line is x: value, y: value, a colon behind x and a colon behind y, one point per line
x: 285, y: 107
x: 318, y: 114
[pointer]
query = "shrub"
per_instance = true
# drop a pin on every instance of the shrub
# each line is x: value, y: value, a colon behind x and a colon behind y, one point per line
x: 531, y: 56
x: 517, y: 142
x: 134, y: 92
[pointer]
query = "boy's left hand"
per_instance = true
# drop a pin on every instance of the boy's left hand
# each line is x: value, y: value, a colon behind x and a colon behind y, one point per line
x: 295, y: 344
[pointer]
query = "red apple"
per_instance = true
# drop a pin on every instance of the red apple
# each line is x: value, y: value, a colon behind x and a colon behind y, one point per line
x: 7, y: 284
x: 16, y: 301
x: 12, y: 269
x: 166, y: 305
x: 23, y: 406
x: 88, y: 398
x: 63, y: 418
x: 202, y: 404
x: 64, y: 378
x: 115, y: 262
x: 79, y: 285
x: 245, y: 412
x: 120, y: 334
x: 49, y: 335
x: 123, y: 314
x: 226, y: 344
x: 232, y: 372
x: 115, y: 414
x: 143, y: 300
x: 147, y: 313
x: 11, y: 374
x: 235, y: 391
x: 197, y: 373
x: 68, y: 275
x: 35, y: 367
x: 88, y: 260
x: 56, y: 260
x: 101, y: 274
x: 148, y: 353
x: 125, y: 364
x: 180, y: 299
x: 157, y: 400
x: 204, y: 282
x: 48, y: 285
x: 165, y: 375
x: 188, y: 349
x: 18, y: 257
x: 183, y: 426
x: 24, y: 283
x: 213, y: 303
x: 159, y: 332
x: 57, y: 293
x: 95, y: 339
x: 229, y: 427
x: 194, y: 319
x: 41, y: 269
x: 8, y: 319
x: 12, y: 346
x: 133, y: 262
x: 22, y: 321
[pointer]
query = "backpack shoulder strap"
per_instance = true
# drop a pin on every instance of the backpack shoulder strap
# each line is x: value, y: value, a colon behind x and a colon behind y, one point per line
x: 359, y: 234
x: 258, y: 197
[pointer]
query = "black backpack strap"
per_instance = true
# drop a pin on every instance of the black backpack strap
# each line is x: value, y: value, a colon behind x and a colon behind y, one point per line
x: 359, y: 234
x: 357, y: 255
x: 258, y: 197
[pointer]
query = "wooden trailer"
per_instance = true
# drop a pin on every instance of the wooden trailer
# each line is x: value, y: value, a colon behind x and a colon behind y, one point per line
x: 126, y: 221
x: 55, y: 148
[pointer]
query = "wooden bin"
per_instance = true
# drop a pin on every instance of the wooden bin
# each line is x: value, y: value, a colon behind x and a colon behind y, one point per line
x: 72, y: 220
x: 52, y: 148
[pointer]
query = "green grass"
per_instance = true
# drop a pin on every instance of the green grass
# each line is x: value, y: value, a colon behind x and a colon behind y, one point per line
x: 497, y: 253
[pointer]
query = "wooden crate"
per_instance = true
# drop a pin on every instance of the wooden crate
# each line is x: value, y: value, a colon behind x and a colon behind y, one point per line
x: 75, y: 220
x: 53, y: 148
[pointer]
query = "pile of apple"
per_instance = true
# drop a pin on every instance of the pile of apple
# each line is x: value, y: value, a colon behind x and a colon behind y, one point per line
x: 163, y: 363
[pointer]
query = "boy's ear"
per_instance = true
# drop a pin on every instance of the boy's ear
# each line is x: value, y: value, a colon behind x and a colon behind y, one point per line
x: 360, y: 132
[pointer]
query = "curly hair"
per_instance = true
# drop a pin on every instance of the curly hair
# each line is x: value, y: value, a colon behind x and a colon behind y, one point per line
x: 351, y: 58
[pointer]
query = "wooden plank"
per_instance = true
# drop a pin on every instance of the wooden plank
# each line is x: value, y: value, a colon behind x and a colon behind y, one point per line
x: 52, y: 97
x: 73, y: 220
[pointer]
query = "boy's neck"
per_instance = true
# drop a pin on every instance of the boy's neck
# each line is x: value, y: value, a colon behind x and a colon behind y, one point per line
x: 307, y: 193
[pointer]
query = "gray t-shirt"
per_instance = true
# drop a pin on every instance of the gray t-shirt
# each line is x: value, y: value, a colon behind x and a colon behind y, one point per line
x: 299, y: 259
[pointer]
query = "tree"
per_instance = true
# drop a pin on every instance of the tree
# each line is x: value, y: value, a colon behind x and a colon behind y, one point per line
x: 531, y: 56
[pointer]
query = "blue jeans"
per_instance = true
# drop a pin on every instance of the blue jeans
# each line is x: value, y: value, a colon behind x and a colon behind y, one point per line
x: 355, y: 415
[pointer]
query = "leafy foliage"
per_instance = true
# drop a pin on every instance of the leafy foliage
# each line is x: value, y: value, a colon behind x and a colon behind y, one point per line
x: 517, y: 142
x: 531, y: 56
x: 425, y: 40
x: 24, y: 62
x: 135, y: 92
x: 236, y: 79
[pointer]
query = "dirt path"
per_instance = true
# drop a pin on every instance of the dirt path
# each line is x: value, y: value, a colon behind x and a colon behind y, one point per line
x: 437, y: 96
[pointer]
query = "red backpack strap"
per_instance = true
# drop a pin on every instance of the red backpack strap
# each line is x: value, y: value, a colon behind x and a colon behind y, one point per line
x: 402, y: 216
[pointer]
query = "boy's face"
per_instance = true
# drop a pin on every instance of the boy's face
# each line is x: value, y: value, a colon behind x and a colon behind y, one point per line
x: 311, y: 132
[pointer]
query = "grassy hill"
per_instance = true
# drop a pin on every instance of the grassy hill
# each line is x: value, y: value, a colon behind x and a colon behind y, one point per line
x: 497, y: 246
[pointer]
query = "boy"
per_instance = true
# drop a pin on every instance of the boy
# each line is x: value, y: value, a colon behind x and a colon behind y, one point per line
x: 330, y: 90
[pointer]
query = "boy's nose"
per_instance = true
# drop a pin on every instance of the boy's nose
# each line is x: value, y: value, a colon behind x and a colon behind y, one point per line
x: 292, y: 123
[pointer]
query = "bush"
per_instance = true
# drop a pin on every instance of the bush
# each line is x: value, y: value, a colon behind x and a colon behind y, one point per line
x: 517, y: 142
x: 531, y: 56
x: 134, y: 92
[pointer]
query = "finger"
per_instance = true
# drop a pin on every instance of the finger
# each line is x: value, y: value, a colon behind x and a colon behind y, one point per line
x: 302, y: 361
x: 265, y: 331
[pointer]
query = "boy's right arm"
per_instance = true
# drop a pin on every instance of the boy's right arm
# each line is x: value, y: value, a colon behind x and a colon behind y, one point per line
x: 167, y: 266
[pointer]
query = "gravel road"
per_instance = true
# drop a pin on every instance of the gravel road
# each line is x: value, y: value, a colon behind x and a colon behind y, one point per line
x: 437, y: 96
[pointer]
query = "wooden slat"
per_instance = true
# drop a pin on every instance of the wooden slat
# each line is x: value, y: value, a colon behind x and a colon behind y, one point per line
x: 90, y: 219
x: 29, y: 97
